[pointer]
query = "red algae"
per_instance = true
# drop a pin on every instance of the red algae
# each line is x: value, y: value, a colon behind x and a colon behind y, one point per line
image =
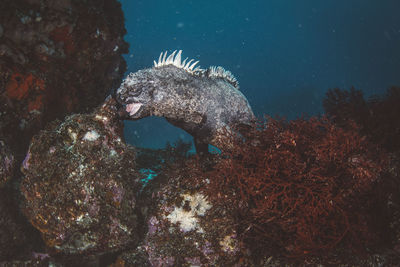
x: 302, y: 187
x: 20, y: 85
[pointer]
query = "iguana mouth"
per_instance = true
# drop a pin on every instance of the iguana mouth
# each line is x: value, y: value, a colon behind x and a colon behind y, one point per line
x: 133, y: 108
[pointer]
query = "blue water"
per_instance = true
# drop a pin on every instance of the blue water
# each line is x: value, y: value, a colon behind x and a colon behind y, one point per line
x: 285, y: 53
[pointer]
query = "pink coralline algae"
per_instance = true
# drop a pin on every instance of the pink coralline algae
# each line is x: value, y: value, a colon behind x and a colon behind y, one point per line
x: 79, y: 184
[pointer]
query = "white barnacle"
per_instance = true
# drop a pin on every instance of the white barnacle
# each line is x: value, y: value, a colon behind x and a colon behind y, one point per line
x: 228, y: 243
x: 91, y: 136
x: 188, y: 219
x: 72, y: 134
x: 101, y: 118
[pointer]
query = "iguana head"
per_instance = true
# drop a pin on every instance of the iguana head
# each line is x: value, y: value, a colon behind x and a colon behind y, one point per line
x: 136, y: 92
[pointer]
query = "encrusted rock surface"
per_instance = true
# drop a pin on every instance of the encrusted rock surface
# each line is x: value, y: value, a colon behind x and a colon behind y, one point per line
x: 6, y: 164
x: 80, y: 182
x: 186, y: 229
x: 56, y: 58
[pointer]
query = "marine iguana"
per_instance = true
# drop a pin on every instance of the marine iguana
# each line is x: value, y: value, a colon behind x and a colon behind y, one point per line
x: 203, y: 102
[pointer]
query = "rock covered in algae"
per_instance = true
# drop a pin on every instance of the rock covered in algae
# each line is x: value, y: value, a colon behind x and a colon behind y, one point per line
x: 56, y: 58
x: 79, y: 184
x: 185, y: 228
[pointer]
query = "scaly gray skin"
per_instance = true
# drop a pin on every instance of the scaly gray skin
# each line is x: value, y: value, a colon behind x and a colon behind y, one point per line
x: 201, y: 102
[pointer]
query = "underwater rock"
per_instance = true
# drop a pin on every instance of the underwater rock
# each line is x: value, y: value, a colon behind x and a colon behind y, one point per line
x: 6, y: 164
x: 56, y: 58
x: 80, y: 182
x: 12, y: 236
x: 204, y: 103
x: 186, y: 229
x: 135, y: 257
x: 34, y: 262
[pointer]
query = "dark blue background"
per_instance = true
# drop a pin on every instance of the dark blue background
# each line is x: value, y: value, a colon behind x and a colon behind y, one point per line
x: 285, y: 53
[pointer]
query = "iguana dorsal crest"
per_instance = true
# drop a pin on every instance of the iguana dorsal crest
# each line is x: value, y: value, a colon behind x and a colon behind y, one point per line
x: 213, y: 72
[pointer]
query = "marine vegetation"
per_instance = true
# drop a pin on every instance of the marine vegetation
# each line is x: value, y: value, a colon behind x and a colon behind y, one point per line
x: 378, y: 117
x: 200, y: 101
x: 301, y: 188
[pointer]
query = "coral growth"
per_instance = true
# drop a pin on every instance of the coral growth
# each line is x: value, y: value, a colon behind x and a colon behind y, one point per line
x: 301, y: 187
